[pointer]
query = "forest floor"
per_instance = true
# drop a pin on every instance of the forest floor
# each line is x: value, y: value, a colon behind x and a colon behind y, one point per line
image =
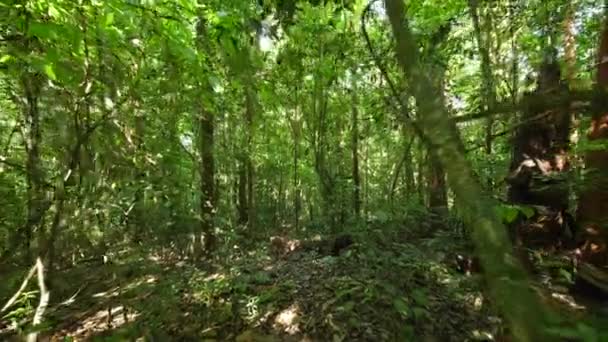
x: 389, y: 288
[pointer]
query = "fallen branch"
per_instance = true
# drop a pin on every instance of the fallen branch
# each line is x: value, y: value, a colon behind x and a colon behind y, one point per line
x: 23, y: 286
x: 42, y: 305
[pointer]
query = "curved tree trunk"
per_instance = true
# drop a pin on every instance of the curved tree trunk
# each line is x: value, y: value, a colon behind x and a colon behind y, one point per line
x: 504, y: 274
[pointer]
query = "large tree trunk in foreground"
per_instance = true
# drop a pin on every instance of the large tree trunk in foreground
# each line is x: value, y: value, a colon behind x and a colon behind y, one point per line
x: 593, y: 204
x: 505, y: 276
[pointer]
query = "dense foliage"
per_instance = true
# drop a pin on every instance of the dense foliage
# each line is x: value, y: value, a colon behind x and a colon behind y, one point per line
x: 341, y: 161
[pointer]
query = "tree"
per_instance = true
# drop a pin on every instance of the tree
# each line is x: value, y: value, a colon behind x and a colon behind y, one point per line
x: 489, y: 235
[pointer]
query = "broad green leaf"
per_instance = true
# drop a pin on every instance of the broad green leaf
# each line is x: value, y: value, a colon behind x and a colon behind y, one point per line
x: 5, y: 58
x: 528, y: 211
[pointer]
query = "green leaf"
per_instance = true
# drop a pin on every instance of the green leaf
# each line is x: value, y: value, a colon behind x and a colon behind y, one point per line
x: 566, y: 275
x: 420, y: 297
x: 50, y: 72
x: 401, y: 306
x: 109, y: 19
x: 5, y: 58
x: 528, y: 211
x: 507, y: 213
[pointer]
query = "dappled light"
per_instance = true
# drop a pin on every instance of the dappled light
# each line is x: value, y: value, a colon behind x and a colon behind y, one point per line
x: 303, y: 170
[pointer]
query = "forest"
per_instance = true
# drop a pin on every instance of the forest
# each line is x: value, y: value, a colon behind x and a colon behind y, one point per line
x: 304, y: 170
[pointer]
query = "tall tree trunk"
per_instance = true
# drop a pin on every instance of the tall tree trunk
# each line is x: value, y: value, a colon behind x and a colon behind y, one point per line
x: 37, y: 205
x: 207, y: 201
x: 243, y: 210
x: 504, y: 274
x: 514, y: 52
x: 249, y: 114
x: 570, y: 44
x: 35, y: 197
x: 489, y: 91
x: 139, y: 210
x: 410, y: 186
x: 207, y: 172
x: 355, y: 150
x: 421, y: 162
x: 438, y: 198
x: 296, y: 129
x: 593, y: 203
x: 436, y: 187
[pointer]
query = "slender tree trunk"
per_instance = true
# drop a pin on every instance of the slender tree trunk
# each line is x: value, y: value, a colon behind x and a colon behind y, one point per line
x: 242, y: 192
x: 420, y: 172
x: 514, y: 52
x: 139, y: 208
x: 33, y: 136
x: 355, y: 151
x: 207, y: 201
x: 570, y: 44
x: 486, y: 72
x: 249, y: 114
x: 438, y: 198
x: 436, y: 178
x: 410, y: 186
x: 296, y: 128
x: 504, y: 274
x: 207, y: 191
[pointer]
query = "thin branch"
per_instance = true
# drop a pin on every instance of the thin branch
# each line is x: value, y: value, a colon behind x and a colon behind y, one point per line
x: 513, y: 128
x: 377, y: 60
x: 578, y: 99
x: 401, y: 108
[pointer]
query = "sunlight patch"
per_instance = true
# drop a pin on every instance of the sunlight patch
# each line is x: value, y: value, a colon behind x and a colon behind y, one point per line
x: 215, y: 276
x: 288, y: 320
x: 110, y: 318
x: 107, y: 294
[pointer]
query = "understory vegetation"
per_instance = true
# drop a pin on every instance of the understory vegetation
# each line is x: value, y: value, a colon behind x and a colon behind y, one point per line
x: 303, y: 170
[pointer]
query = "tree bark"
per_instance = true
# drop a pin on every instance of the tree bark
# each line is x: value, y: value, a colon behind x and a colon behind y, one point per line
x: 242, y: 192
x: 207, y: 191
x: 296, y: 129
x: 570, y: 44
x: 249, y: 114
x: 504, y: 274
x: 207, y: 200
x: 33, y: 136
